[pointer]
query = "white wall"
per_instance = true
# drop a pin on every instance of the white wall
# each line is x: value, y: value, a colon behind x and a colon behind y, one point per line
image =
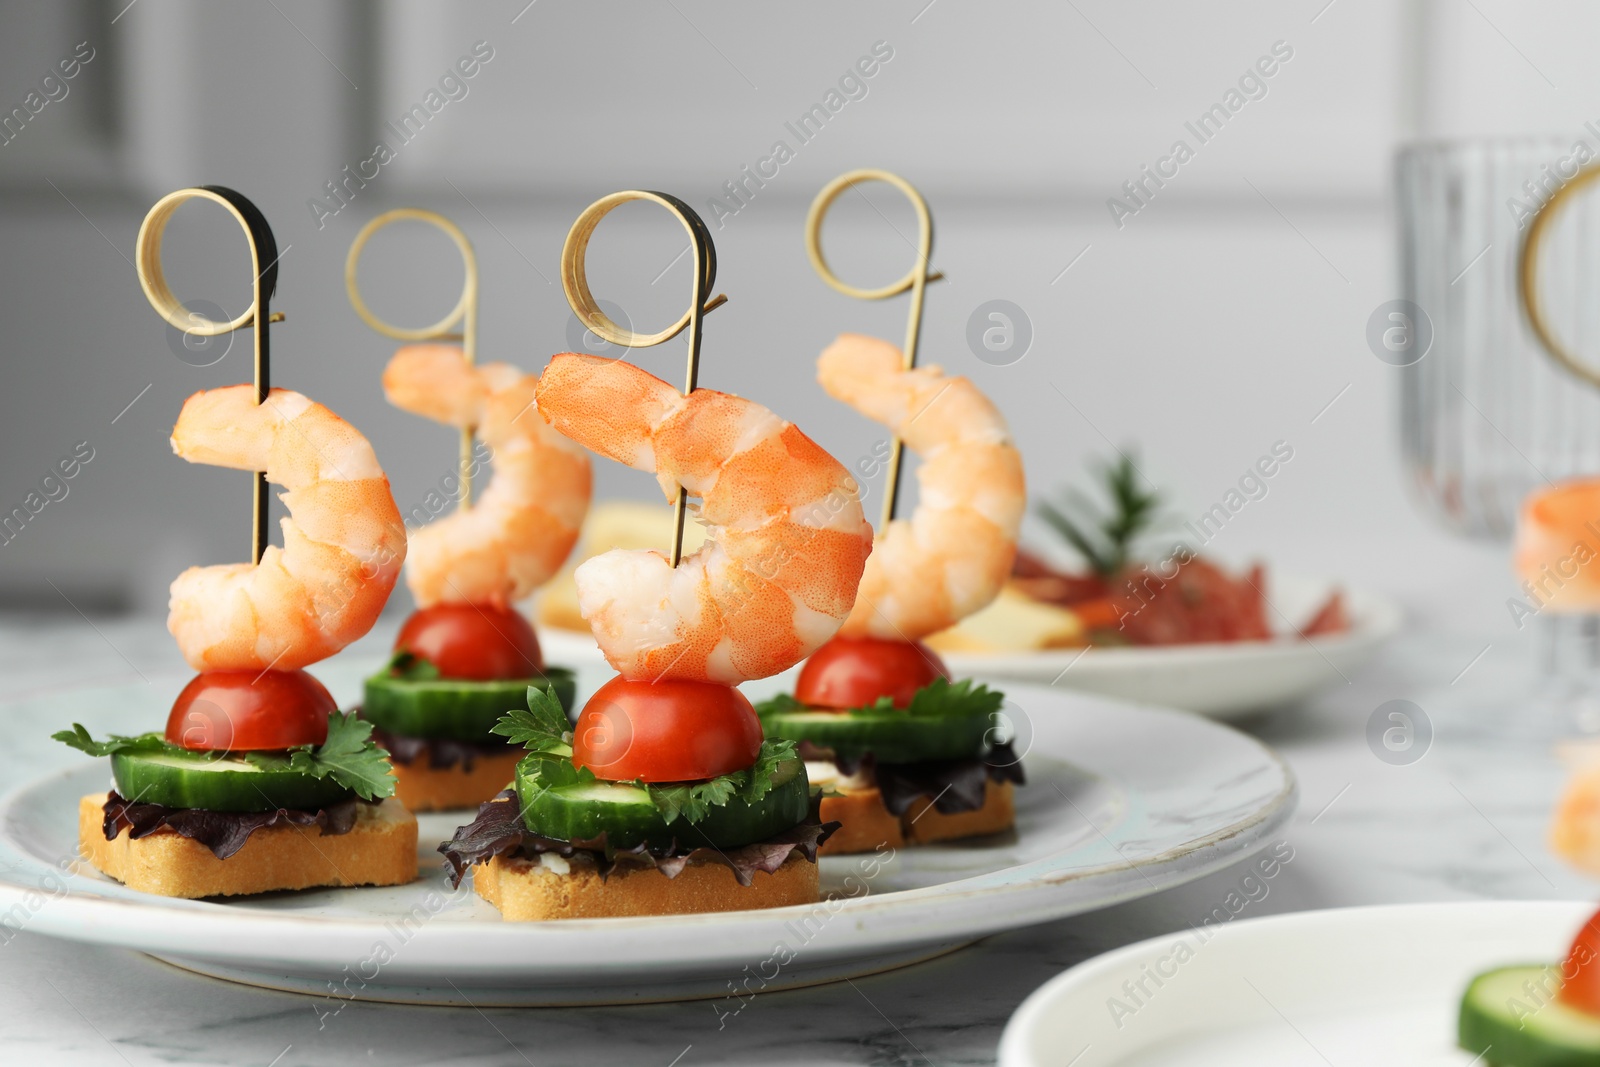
x: 1220, y: 318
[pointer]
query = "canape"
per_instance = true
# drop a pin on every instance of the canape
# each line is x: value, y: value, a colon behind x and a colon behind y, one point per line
x: 467, y: 655
x: 664, y: 797
x: 258, y: 782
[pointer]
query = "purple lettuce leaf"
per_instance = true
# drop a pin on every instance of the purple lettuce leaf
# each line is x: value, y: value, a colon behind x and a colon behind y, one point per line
x: 957, y: 784
x: 440, y: 752
x: 498, y: 831
x: 223, y: 832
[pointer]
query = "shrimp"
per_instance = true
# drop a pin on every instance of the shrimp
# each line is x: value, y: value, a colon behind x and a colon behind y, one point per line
x: 343, y: 541
x: 953, y: 556
x: 523, y: 525
x: 786, y: 541
x: 1555, y: 545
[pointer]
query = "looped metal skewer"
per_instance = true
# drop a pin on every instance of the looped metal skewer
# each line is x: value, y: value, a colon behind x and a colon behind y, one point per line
x: 264, y: 268
x: 915, y: 279
x: 575, y: 283
x: 465, y: 312
x: 1528, y: 275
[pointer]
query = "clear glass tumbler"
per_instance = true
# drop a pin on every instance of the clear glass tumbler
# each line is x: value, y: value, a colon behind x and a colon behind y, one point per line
x: 1486, y: 414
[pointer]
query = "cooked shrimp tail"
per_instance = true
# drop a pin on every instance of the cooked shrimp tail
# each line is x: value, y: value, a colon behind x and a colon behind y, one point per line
x: 1554, y: 550
x: 343, y: 541
x: 523, y: 525
x: 952, y: 556
x: 786, y: 540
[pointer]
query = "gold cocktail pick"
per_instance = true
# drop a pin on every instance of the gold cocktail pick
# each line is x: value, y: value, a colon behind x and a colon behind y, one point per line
x: 1528, y: 275
x: 264, y: 262
x: 575, y: 282
x: 465, y: 312
x: 915, y: 279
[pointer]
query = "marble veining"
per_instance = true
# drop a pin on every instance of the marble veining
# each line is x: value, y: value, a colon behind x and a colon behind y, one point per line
x: 1466, y: 821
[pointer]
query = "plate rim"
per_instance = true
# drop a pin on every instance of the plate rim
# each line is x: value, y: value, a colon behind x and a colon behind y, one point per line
x: 898, y: 919
x: 1384, y: 617
x: 1012, y: 1050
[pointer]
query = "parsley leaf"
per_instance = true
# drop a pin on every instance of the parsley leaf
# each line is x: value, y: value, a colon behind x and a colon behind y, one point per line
x: 544, y: 731
x: 541, y: 727
x: 779, y: 703
x: 412, y: 667
x: 941, y: 697
x: 774, y: 751
x: 79, y: 739
x: 694, y: 800
x: 553, y: 769
x: 349, y: 756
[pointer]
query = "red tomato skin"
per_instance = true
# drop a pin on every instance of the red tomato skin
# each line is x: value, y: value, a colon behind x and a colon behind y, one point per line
x: 670, y: 731
x: 1580, y: 972
x: 473, y: 642
x: 250, y: 711
x: 852, y: 672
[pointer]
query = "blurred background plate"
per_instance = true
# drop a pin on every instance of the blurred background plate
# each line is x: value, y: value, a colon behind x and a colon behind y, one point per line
x: 1223, y: 681
x: 569, y: 648
x: 1374, y: 986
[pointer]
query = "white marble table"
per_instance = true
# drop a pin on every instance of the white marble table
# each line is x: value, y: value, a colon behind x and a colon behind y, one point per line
x: 1466, y: 821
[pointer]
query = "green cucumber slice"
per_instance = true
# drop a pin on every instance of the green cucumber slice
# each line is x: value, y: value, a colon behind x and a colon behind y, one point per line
x: 225, y: 784
x: 1509, y: 1017
x: 891, y: 736
x: 627, y: 816
x: 454, y: 709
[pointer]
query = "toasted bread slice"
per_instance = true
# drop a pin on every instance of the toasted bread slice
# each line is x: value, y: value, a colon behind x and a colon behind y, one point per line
x: 531, y: 891
x: 868, y: 825
x: 864, y: 823
x: 923, y: 823
x: 1012, y: 622
x: 381, y: 849
x: 423, y: 788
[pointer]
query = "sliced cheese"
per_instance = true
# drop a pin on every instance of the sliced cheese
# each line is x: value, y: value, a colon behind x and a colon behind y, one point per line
x: 1013, y: 622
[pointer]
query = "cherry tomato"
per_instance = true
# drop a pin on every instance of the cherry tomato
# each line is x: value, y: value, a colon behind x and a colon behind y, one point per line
x: 478, y: 642
x: 250, y: 711
x: 852, y: 672
x: 1580, y: 974
x: 666, y: 731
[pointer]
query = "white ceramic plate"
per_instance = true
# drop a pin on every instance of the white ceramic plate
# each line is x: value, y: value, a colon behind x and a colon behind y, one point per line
x: 1118, y: 805
x: 1223, y: 681
x: 1374, y: 986
x: 1220, y: 680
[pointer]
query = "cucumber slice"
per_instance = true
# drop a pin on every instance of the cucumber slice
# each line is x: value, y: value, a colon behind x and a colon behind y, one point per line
x: 205, y: 781
x: 1509, y: 1017
x: 891, y: 736
x: 627, y: 816
x: 453, y: 709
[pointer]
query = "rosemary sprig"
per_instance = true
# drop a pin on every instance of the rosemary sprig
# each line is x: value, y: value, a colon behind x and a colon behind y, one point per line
x: 1105, y: 535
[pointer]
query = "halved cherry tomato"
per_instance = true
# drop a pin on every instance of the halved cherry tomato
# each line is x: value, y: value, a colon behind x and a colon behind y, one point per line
x: 478, y: 642
x: 1580, y: 974
x: 250, y: 711
x: 1331, y: 618
x: 851, y: 672
x: 668, y: 731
